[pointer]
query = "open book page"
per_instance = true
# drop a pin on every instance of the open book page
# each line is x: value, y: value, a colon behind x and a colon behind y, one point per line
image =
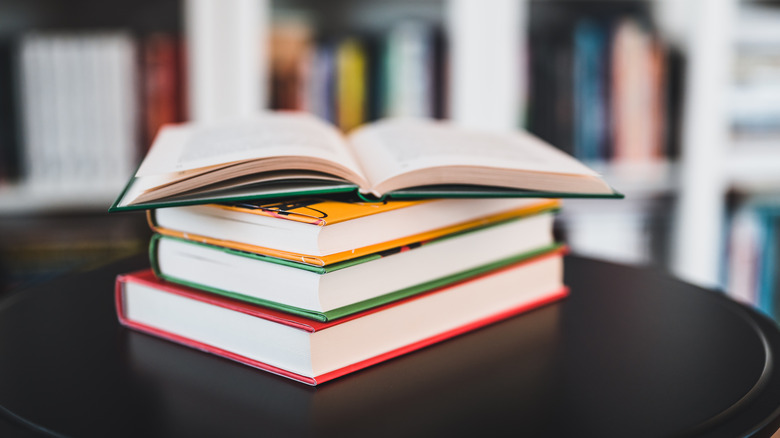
x: 189, y: 149
x: 396, y: 148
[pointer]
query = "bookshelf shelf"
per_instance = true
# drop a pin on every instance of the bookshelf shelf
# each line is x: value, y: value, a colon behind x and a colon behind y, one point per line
x: 641, y: 179
x: 754, y: 168
x: 23, y: 198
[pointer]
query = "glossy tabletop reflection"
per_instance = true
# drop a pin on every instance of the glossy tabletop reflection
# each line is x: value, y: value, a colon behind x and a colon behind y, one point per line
x: 630, y: 353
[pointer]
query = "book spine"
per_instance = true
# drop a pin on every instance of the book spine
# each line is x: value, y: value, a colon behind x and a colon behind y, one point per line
x: 350, y: 84
x: 9, y: 147
x: 162, y: 94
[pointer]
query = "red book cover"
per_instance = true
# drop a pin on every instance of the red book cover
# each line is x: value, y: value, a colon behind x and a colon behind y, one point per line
x: 148, y: 279
x: 162, y: 84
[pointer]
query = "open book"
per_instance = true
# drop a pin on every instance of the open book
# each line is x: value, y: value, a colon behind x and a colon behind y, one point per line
x: 284, y: 154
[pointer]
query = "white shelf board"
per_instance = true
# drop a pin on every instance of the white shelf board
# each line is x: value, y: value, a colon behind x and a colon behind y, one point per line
x: 35, y: 199
x: 639, y: 179
x: 754, y: 167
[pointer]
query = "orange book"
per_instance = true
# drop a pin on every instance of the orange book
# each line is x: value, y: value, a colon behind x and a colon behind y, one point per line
x: 323, y: 232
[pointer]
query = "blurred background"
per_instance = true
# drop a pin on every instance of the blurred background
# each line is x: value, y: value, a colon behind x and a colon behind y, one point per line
x: 675, y: 102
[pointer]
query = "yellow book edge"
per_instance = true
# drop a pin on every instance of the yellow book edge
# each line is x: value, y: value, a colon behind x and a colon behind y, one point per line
x: 330, y: 259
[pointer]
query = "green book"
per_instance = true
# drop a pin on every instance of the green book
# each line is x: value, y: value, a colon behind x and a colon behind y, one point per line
x: 341, y: 289
x: 278, y: 155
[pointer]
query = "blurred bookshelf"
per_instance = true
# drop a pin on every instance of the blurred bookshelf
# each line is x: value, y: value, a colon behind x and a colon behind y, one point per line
x: 349, y: 61
x: 81, y: 86
x: 636, y: 89
x: 77, y: 97
x: 750, y: 262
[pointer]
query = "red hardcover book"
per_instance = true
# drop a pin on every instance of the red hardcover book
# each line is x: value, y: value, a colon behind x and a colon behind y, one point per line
x: 162, y: 84
x: 314, y: 352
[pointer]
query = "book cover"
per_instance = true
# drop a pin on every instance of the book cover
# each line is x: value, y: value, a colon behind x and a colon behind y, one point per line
x: 321, y: 212
x: 162, y: 84
x: 467, y: 320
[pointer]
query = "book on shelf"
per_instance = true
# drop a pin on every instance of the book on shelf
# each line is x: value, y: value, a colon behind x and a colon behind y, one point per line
x: 407, y: 70
x: 75, y: 107
x: 291, y: 64
x: 744, y: 262
x: 314, y: 352
x: 321, y: 232
x: 637, y: 107
x: 318, y: 98
x: 286, y: 154
x: 354, y: 78
x: 752, y: 257
x: 340, y: 289
x: 550, y: 88
x: 602, y: 87
x: 351, y: 60
x: 163, y: 83
x: 589, y: 91
x: 78, y: 94
x: 9, y: 144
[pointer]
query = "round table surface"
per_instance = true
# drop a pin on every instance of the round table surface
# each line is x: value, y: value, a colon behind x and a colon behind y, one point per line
x: 631, y: 352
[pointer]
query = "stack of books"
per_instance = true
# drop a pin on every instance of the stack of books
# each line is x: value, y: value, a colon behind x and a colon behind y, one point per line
x: 313, y: 288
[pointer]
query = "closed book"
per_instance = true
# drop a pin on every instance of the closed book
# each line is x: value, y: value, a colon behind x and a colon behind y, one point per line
x: 321, y: 232
x: 329, y: 292
x: 315, y: 352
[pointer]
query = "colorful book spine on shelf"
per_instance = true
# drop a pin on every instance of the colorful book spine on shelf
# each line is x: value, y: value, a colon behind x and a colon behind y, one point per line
x: 359, y: 78
x: 752, y: 257
x: 637, y: 94
x: 320, y: 81
x: 767, y: 289
x: 9, y: 143
x: 163, y: 84
x: 590, y: 104
x: 291, y: 49
x: 599, y: 87
x: 408, y: 65
x: 351, y: 84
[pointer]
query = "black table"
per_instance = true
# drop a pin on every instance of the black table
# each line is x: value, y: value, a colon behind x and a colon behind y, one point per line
x: 630, y: 353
